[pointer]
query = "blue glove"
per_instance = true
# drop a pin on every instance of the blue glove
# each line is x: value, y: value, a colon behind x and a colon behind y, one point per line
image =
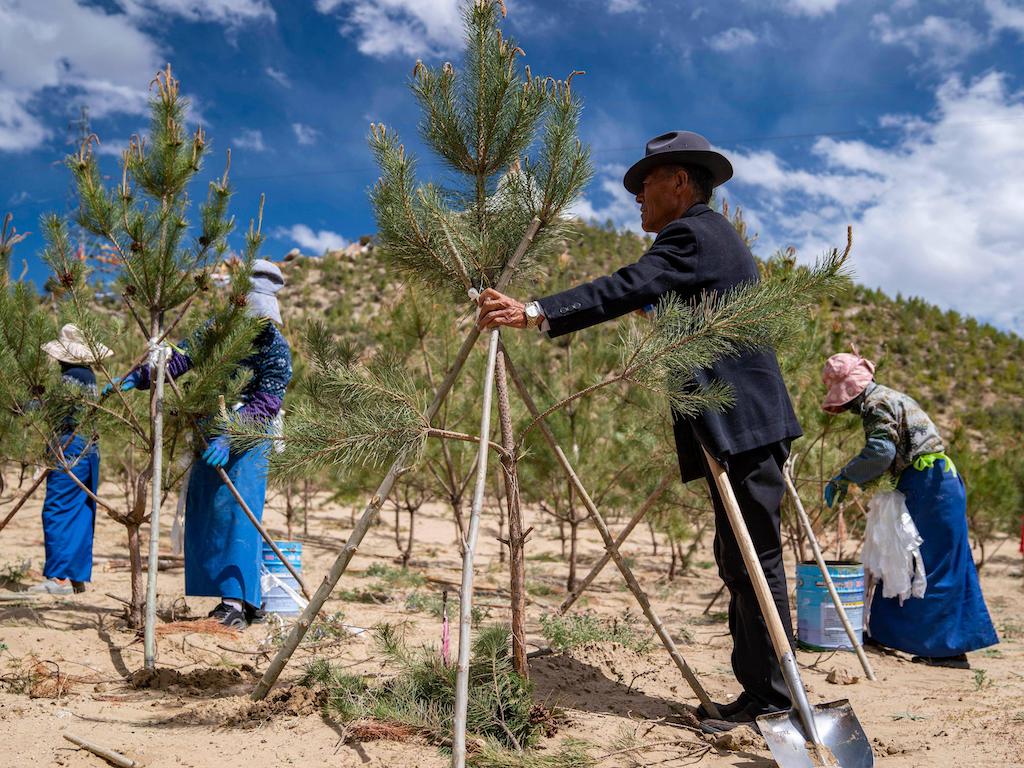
x: 128, y: 382
x: 217, y: 452
x: 835, y: 490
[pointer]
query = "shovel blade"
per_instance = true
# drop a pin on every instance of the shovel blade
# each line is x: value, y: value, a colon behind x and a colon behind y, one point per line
x: 838, y: 729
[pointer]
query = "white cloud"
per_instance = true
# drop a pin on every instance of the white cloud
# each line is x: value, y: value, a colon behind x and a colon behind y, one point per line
x: 731, y: 39
x: 618, y: 206
x: 812, y: 8
x: 82, y: 51
x: 279, y: 77
x: 305, y: 134
x: 228, y: 12
x: 943, y: 41
x: 625, y: 6
x: 250, y: 139
x: 1006, y: 14
x: 934, y: 214
x: 314, y: 241
x: 387, y: 27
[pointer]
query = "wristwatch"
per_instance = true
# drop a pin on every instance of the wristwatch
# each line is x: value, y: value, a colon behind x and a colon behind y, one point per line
x: 534, y: 317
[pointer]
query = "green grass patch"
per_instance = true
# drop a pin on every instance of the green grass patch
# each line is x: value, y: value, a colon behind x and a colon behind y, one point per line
x: 564, y: 633
x: 399, y: 578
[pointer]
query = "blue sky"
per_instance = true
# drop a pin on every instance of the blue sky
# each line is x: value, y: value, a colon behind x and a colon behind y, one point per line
x: 904, y: 118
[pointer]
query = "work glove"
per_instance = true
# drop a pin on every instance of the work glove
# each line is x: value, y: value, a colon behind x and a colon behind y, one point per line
x: 835, y: 490
x: 131, y: 381
x: 217, y: 452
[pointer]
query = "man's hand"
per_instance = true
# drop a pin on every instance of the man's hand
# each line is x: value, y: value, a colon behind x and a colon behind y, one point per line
x: 498, y: 310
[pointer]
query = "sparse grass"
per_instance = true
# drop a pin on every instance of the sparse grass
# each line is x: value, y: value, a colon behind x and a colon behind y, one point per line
x: 369, y: 597
x: 397, y: 578
x: 545, y: 557
x: 564, y: 633
x: 981, y: 680
x: 571, y: 753
x: 1011, y: 630
x: 539, y: 589
x: 14, y: 573
x: 422, y: 602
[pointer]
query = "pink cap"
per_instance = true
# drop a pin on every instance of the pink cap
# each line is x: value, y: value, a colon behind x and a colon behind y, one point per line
x: 846, y: 376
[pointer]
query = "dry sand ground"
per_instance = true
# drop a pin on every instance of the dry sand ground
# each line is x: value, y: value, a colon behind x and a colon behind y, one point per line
x: 198, y: 714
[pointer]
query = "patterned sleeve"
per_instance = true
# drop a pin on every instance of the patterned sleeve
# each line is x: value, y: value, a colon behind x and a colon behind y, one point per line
x: 271, y: 374
x: 881, y: 422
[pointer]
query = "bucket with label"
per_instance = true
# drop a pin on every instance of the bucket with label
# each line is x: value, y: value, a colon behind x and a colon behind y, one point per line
x: 819, y: 627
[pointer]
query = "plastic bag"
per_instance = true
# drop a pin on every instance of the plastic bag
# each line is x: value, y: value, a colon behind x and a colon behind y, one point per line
x: 892, y: 547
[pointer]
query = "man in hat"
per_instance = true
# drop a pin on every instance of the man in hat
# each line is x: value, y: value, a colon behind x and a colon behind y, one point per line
x: 222, y: 548
x: 698, y: 251
x: 69, y: 513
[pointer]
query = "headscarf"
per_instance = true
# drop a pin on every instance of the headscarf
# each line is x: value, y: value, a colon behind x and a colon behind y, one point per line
x: 846, y: 376
x: 267, y: 280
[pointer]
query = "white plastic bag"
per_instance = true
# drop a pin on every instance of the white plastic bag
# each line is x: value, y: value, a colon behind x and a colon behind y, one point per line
x: 892, y: 547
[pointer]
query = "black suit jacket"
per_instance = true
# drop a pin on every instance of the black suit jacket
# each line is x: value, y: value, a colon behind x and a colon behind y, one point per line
x: 700, y: 251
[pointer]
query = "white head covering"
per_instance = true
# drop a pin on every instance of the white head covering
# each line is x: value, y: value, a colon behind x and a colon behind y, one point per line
x: 267, y: 280
x: 70, y: 347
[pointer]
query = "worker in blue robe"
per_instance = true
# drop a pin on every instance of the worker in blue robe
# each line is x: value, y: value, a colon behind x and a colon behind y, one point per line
x: 69, y: 512
x: 222, y: 546
x: 951, y: 619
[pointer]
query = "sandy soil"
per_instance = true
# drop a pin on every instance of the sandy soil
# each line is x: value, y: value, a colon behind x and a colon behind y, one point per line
x: 195, y: 713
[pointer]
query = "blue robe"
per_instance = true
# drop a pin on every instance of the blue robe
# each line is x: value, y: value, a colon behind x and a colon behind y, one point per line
x: 951, y: 618
x: 69, y: 514
x: 222, y: 548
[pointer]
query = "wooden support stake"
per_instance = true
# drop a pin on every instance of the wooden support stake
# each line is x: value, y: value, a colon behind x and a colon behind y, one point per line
x: 613, y: 550
x: 21, y: 502
x: 112, y: 757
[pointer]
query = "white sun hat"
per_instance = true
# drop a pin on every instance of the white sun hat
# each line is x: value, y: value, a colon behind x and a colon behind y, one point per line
x: 70, y: 347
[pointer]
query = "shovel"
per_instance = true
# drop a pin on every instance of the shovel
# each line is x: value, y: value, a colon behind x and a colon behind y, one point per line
x: 823, y: 736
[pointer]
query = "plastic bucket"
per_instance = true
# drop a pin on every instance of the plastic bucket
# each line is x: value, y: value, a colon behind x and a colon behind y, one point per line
x: 275, y: 578
x: 819, y: 627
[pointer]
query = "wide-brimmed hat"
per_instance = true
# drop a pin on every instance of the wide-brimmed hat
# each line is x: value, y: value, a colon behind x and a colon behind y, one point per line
x: 267, y: 280
x: 70, y: 347
x: 678, y: 147
x: 846, y: 376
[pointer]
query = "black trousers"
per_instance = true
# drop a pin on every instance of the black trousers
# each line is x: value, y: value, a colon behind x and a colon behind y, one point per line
x: 757, y: 480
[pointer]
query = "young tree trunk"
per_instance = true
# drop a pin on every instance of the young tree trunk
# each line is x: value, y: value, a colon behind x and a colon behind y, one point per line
x: 289, y: 508
x: 516, y: 537
x: 138, y: 599
x: 574, y: 526
x: 654, y: 539
x: 306, y: 502
x: 407, y: 554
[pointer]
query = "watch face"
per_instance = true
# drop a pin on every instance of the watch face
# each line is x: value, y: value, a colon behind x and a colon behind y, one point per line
x: 532, y: 311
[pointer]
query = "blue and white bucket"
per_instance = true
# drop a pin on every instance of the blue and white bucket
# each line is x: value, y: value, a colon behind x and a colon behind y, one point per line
x: 281, y: 592
x: 819, y: 627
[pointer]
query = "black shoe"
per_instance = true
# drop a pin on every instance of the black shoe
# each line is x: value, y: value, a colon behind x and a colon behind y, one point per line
x: 78, y: 586
x: 951, y: 662
x: 229, y: 616
x: 725, y: 710
x: 745, y: 716
x: 255, y: 615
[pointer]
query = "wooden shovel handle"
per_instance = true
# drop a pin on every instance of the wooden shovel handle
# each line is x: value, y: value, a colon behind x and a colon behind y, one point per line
x: 770, y: 611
